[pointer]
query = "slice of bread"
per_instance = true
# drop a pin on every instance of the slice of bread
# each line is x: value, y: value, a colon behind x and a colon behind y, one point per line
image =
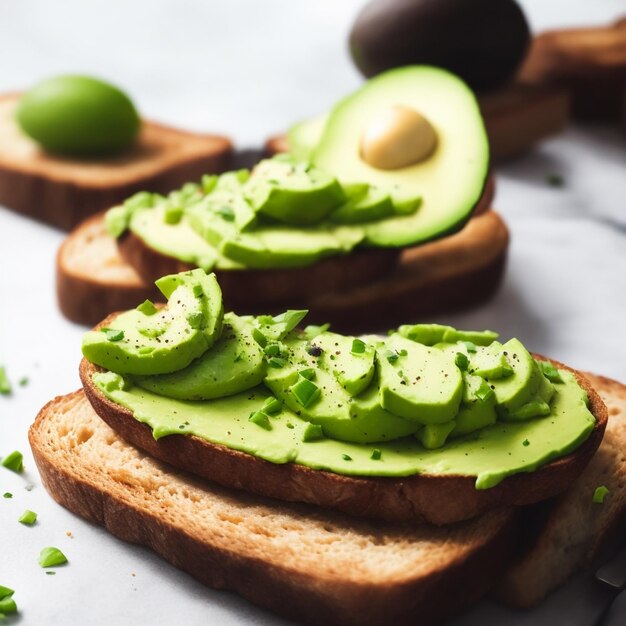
x: 516, y: 118
x: 63, y: 191
x: 302, y: 562
x: 575, y: 528
x: 435, y: 498
x: 456, y: 272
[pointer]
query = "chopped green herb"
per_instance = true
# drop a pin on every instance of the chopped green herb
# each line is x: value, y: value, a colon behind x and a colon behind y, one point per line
x: 22, y: 382
x: 259, y: 337
x: 28, y: 518
x: 391, y: 356
x: 51, y: 557
x: 305, y: 392
x: 5, y: 385
x: 358, y: 346
x: 312, y: 432
x: 550, y: 372
x: 173, y: 214
x: 484, y: 392
x: 260, y: 419
x: 226, y: 213
x: 308, y: 373
x: 272, y: 406
x: 470, y: 345
x: 14, y: 462
x: 277, y: 362
x: 346, y: 457
x: 555, y: 180
x: 51, y: 573
x: 7, y: 495
x: 461, y: 361
x: 208, y: 182
x: 290, y: 425
x: 113, y: 335
x: 7, y: 606
x: 376, y: 454
x: 238, y: 358
x: 195, y: 319
x: 525, y: 442
x: 197, y: 290
x: 402, y: 352
x: 312, y: 331
x: 600, y: 494
x: 272, y: 349
x: 147, y: 308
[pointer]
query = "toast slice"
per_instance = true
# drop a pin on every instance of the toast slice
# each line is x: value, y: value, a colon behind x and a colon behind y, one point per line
x: 435, y: 498
x: 62, y: 191
x: 302, y: 562
x: 576, y: 528
x: 516, y: 118
x: 456, y: 272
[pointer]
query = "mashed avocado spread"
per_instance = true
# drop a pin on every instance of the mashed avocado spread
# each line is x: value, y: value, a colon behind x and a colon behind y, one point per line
x: 424, y: 399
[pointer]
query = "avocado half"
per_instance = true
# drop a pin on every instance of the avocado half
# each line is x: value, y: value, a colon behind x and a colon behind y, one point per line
x: 449, y: 182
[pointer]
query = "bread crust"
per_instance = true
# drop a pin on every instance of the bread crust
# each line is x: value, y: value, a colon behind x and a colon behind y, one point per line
x: 475, y: 553
x: 63, y: 191
x: 437, y: 499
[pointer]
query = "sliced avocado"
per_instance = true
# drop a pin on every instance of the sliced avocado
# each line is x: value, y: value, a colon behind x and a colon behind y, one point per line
x: 417, y: 382
x: 304, y: 136
x: 373, y: 204
x: 450, y: 181
x: 478, y: 407
x: 292, y: 192
x: 433, y: 436
x: 277, y: 327
x: 431, y: 334
x: 341, y: 416
x: 490, y: 362
x: 234, y: 363
x: 148, y: 342
x: 538, y: 406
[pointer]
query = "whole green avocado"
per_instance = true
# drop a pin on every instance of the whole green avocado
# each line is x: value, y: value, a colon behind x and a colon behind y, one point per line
x: 78, y: 116
x: 483, y: 41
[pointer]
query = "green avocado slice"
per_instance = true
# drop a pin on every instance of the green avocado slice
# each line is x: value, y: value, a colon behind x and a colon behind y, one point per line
x: 418, y: 382
x: 373, y: 204
x: 304, y: 136
x: 292, y: 192
x: 234, y: 363
x: 158, y: 341
x: 431, y: 334
x: 450, y: 181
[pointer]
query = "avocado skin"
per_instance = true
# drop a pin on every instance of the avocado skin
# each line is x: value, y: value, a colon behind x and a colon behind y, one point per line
x: 483, y: 41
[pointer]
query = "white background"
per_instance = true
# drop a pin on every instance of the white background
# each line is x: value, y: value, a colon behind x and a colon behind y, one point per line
x: 248, y: 69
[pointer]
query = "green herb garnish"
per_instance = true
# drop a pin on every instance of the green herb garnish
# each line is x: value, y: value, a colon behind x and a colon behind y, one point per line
x: 312, y: 432
x: 305, y: 392
x: 308, y: 373
x: 358, y: 346
x: 600, y: 494
x: 5, y: 385
x: 14, y: 462
x: 197, y: 290
x: 550, y: 372
x: 277, y: 362
x: 272, y: 349
x: 272, y: 406
x: 195, y: 319
x: 461, y: 361
x: 259, y: 337
x: 173, y: 214
x: 526, y: 442
x: 226, y: 213
x: 260, y: 419
x: 376, y: 454
x: 312, y: 331
x: 7, y: 495
x: 147, y: 308
x: 51, y: 557
x: 22, y: 382
x: 391, y: 356
x: 346, y: 457
x: 28, y: 518
x: 112, y: 335
x: 470, y: 345
x: 484, y: 392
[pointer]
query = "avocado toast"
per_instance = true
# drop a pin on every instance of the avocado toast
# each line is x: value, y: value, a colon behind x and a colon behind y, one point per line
x: 395, y: 170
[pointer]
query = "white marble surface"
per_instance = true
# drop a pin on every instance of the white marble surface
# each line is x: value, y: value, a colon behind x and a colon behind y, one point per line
x: 247, y: 69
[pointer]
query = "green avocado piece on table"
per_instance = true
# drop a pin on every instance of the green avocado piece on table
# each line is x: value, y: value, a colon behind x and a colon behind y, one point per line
x: 361, y: 406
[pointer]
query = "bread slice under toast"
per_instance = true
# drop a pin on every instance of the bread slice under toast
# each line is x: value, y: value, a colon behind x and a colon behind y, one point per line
x: 302, y: 562
x: 458, y: 271
x: 576, y: 528
x: 435, y: 498
x: 63, y: 191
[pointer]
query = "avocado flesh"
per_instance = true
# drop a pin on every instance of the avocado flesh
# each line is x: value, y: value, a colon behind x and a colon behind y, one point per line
x: 234, y: 363
x: 475, y: 412
x: 431, y: 334
x: 358, y: 419
x: 423, y: 384
x: 168, y: 339
x: 304, y: 136
x: 450, y: 181
x: 292, y: 192
x: 538, y: 406
x: 375, y: 204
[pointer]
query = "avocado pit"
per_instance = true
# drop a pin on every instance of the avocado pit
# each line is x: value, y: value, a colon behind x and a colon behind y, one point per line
x: 397, y: 137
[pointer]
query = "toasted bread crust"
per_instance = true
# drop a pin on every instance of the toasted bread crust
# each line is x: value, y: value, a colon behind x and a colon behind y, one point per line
x: 63, y: 191
x: 438, y: 499
x: 230, y: 540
